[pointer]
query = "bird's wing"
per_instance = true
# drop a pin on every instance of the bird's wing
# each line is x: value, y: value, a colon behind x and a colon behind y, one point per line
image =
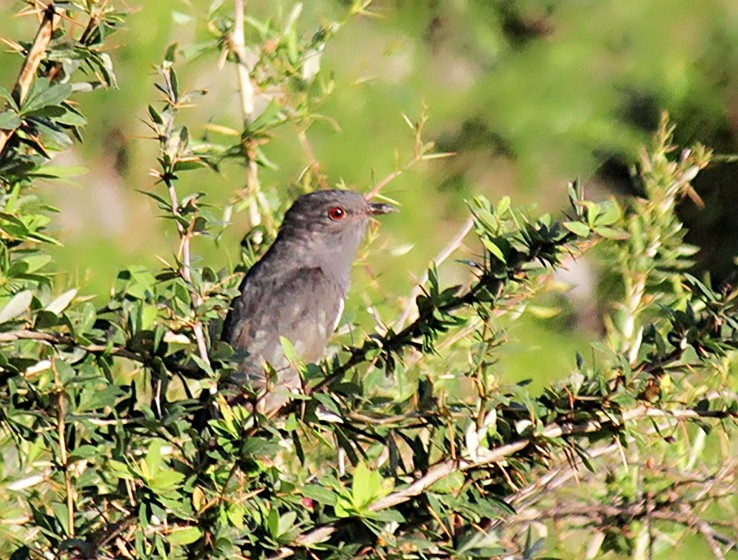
x: 302, y: 306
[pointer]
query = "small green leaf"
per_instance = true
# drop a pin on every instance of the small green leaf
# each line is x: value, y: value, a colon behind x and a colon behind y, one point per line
x: 449, y: 484
x: 17, y: 305
x: 9, y: 120
x: 184, y: 535
x: 367, y: 486
x: 269, y: 117
x: 62, y: 515
x: 61, y: 302
x: 289, y: 350
x: 494, y: 249
x: 611, y: 233
x: 57, y: 171
x: 286, y: 522
x: 609, y: 213
x: 5, y: 94
x: 155, y: 116
x: 577, y: 228
x: 45, y: 97
x: 503, y: 205
x: 153, y: 462
x: 319, y: 494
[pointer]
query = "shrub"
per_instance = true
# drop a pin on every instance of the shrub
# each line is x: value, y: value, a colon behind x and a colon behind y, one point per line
x: 110, y: 447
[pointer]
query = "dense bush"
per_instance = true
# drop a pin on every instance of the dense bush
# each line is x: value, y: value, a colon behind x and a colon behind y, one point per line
x: 116, y: 443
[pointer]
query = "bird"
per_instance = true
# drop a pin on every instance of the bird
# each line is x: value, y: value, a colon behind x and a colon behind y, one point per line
x: 296, y: 291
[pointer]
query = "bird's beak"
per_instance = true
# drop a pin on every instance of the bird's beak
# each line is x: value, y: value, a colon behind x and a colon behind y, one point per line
x: 376, y: 208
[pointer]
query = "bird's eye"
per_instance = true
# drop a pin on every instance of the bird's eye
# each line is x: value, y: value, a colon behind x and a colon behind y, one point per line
x: 336, y: 213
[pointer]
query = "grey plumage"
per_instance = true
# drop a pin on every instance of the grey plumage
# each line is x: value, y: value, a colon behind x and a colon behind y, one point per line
x: 297, y: 289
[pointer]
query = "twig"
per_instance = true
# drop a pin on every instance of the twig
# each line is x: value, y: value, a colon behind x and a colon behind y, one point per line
x: 169, y: 178
x: 420, y: 150
x: 492, y: 285
x: 49, y: 21
x: 97, y: 348
x: 185, y: 236
x: 63, y: 457
x: 445, y: 253
x: 313, y: 163
x: 67, y: 340
x: 387, y: 180
x: 703, y: 527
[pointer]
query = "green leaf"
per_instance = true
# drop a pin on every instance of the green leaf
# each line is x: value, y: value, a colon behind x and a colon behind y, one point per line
x: 270, y: 117
x: 494, y: 249
x: 503, y: 205
x: 188, y: 164
x: 62, y: 515
x: 155, y: 116
x: 367, y: 486
x: 577, y: 228
x: 286, y: 522
x: 153, y: 462
x: 34, y: 262
x: 61, y: 302
x: 5, y: 94
x: 45, y: 97
x: 17, y: 305
x: 319, y: 494
x: 58, y: 171
x: 184, y: 535
x: 289, y: 350
x: 611, y: 233
x: 610, y: 213
x: 449, y: 484
x: 9, y: 120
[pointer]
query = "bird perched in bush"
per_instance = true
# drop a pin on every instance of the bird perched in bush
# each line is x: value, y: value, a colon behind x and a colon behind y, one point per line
x: 297, y: 291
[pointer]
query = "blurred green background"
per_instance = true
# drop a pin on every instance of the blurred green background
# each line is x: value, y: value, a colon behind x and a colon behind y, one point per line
x: 529, y: 94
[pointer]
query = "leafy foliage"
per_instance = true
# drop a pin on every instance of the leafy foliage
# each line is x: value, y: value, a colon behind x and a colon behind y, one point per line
x: 116, y: 443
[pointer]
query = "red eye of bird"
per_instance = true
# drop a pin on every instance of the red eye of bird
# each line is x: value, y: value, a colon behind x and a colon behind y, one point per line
x: 336, y: 213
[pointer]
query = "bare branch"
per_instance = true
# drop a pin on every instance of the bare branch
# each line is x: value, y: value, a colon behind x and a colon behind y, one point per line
x: 247, y: 94
x: 238, y: 44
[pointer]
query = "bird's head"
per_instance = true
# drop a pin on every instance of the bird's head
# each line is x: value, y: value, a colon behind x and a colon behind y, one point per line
x: 332, y: 220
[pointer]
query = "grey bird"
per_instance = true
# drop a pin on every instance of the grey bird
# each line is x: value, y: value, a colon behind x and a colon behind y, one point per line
x: 297, y: 291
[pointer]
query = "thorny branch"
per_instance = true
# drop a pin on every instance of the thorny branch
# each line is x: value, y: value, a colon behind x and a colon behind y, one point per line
x: 185, y: 234
x: 492, y: 456
x: 444, y: 254
x: 49, y: 21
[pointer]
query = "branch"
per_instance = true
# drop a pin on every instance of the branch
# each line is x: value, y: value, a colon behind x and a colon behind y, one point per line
x: 445, y: 253
x: 58, y: 339
x: 643, y: 509
x: 97, y: 348
x: 238, y: 44
x: 492, y: 456
x: 420, y: 153
x: 49, y: 21
x: 185, y: 236
x: 491, y: 282
x: 63, y: 456
x: 168, y: 177
x: 247, y: 91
